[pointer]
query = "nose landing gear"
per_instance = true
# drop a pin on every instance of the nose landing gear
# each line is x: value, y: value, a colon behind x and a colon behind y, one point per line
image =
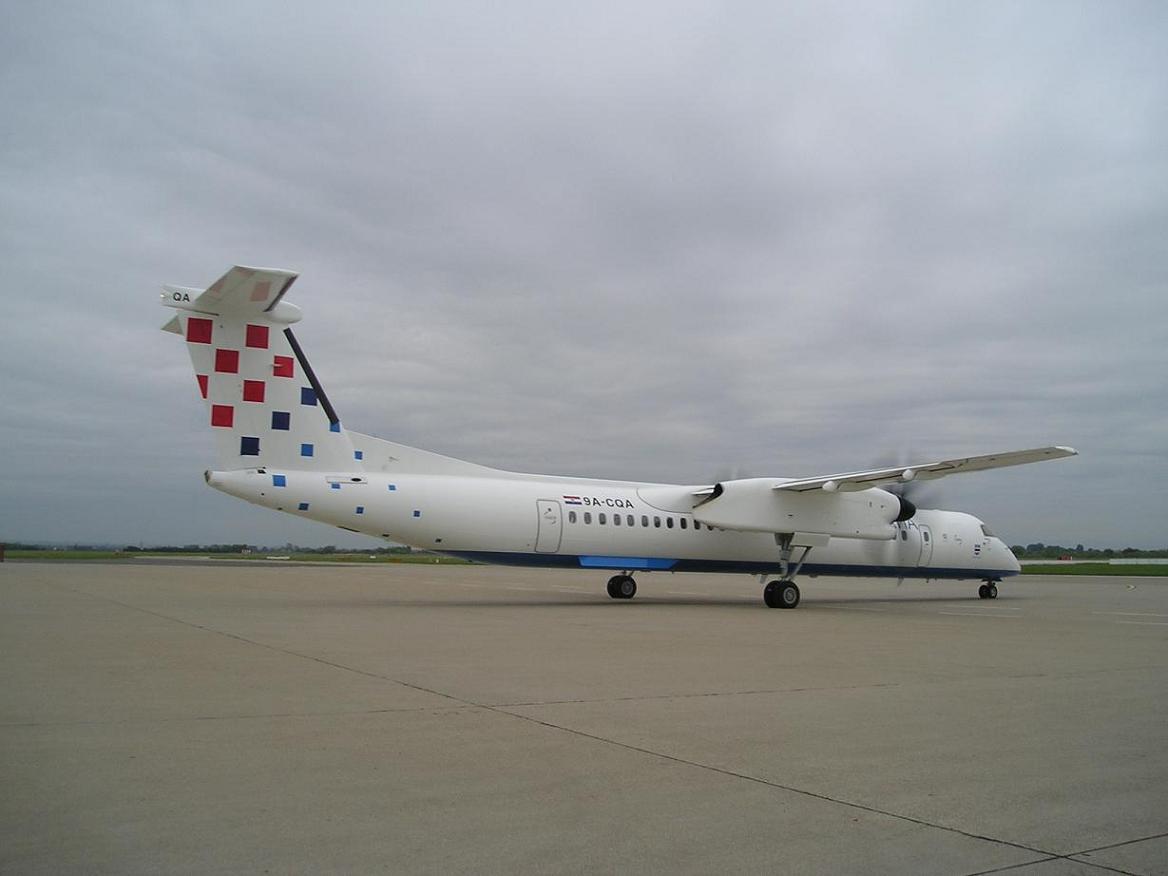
x: 988, y: 590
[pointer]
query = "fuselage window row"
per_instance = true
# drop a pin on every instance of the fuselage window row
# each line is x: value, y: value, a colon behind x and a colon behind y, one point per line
x: 630, y: 520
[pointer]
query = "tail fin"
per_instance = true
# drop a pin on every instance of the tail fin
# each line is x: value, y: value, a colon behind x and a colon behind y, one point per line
x: 264, y: 402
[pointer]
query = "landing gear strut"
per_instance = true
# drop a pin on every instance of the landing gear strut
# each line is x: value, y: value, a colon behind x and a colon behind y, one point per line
x: 783, y: 593
x: 988, y: 590
x: 622, y: 587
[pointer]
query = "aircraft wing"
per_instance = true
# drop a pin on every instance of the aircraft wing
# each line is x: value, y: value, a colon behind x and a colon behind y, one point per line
x: 899, y: 474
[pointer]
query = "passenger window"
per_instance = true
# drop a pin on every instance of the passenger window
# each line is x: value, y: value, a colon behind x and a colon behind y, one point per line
x: 683, y: 523
x: 657, y: 522
x: 571, y: 516
x: 926, y: 535
x: 644, y: 520
x: 697, y: 525
x: 587, y: 516
x: 601, y: 519
x: 616, y: 520
x: 669, y: 523
x: 630, y: 520
x: 903, y: 532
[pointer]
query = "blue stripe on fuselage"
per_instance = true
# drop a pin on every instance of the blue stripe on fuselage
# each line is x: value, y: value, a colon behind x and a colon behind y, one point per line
x: 664, y: 564
x: 658, y: 563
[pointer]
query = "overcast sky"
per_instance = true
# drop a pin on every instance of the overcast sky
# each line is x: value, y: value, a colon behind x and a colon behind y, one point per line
x: 655, y: 241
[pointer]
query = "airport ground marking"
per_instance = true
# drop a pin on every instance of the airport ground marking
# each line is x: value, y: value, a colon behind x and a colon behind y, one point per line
x: 1131, y: 613
x: 968, y: 614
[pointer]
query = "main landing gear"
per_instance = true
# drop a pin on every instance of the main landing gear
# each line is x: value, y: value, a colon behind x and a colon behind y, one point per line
x: 622, y: 587
x: 781, y: 594
x: 988, y: 590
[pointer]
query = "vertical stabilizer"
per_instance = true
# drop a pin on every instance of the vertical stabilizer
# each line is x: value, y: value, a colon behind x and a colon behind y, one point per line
x: 265, y: 405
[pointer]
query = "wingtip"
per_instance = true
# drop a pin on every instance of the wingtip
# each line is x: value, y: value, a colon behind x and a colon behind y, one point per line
x: 1066, y: 451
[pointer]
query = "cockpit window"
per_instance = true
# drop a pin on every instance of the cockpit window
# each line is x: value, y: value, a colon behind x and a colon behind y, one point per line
x: 985, y: 530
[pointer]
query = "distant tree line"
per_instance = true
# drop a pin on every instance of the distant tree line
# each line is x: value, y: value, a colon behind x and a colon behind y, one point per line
x: 210, y: 548
x: 1040, y: 551
x: 1036, y: 551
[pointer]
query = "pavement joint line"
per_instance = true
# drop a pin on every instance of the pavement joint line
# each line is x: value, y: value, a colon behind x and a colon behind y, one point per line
x: 6, y: 725
x: 1047, y: 855
x: 279, y: 650
x: 773, y: 784
x: 1145, y: 623
x: 1076, y: 858
x: 1102, y: 867
x: 683, y: 696
x: 1142, y: 839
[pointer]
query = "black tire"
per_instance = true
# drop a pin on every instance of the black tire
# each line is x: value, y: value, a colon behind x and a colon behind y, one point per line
x: 993, y: 591
x: 770, y: 594
x: 788, y: 594
x: 622, y: 587
x: 983, y: 592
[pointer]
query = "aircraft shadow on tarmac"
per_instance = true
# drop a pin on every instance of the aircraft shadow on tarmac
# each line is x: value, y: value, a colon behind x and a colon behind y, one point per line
x: 647, y: 600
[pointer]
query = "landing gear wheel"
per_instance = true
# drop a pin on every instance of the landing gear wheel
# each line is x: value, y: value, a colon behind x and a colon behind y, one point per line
x: 770, y: 594
x: 993, y: 591
x: 622, y: 587
x: 781, y: 594
x: 983, y: 592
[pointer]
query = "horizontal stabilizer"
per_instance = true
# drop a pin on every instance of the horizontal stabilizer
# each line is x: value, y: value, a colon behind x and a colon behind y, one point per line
x: 241, y: 292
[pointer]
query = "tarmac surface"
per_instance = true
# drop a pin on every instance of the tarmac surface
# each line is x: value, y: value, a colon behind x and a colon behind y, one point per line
x: 199, y: 718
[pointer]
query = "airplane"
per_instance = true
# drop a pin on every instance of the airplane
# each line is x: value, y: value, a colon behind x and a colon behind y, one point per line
x: 280, y: 444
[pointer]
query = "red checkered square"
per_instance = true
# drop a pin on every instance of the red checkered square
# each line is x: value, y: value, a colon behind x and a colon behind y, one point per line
x: 257, y: 336
x: 253, y: 390
x: 282, y: 367
x: 227, y: 361
x: 222, y: 415
x: 198, y: 330
x: 202, y: 378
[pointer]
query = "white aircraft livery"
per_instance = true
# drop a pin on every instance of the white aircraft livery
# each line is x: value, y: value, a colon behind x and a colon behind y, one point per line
x: 280, y: 443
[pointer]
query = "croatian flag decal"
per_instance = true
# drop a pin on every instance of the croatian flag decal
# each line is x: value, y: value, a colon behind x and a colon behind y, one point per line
x: 572, y: 500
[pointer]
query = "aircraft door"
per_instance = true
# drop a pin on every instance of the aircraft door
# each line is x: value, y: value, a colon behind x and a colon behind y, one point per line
x: 926, y: 546
x: 551, y: 526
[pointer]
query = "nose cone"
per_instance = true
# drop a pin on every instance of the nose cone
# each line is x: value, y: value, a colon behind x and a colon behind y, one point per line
x: 1011, y: 560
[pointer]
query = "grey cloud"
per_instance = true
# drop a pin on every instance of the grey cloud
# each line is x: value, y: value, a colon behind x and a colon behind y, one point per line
x: 654, y: 242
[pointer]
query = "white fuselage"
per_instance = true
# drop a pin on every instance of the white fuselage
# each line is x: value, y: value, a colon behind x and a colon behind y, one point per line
x: 573, y: 522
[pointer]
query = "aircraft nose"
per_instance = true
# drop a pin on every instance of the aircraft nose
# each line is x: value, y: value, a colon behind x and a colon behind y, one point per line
x: 1013, y: 560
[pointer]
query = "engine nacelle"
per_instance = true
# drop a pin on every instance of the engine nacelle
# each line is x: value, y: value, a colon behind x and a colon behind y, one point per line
x: 753, y: 504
